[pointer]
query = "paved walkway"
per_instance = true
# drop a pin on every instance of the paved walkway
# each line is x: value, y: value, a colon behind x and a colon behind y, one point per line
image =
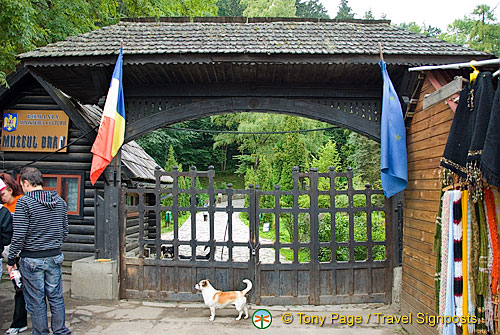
x: 241, y: 233
x: 123, y: 317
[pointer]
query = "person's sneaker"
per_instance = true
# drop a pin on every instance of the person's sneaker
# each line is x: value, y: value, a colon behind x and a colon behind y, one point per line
x: 12, y: 331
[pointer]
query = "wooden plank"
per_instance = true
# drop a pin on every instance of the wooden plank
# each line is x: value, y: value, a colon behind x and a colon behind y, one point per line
x: 434, y: 117
x: 421, y: 174
x: 419, y: 234
x: 427, y: 142
x: 418, y: 255
x: 444, y: 92
x: 411, y: 305
x: 424, y: 184
x: 428, y: 163
x: 417, y: 274
x: 423, y: 114
x: 432, y: 206
x: 426, y: 226
x: 417, y: 245
x: 416, y: 293
x: 426, y: 215
x: 426, y: 153
x: 414, y: 262
x: 428, y: 267
x: 423, y: 194
x: 424, y: 257
x: 432, y: 130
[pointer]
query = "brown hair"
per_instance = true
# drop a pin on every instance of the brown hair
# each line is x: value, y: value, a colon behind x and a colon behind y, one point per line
x: 32, y: 175
x: 12, y: 184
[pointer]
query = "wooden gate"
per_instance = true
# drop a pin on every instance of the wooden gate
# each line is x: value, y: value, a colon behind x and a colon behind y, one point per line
x: 323, y: 242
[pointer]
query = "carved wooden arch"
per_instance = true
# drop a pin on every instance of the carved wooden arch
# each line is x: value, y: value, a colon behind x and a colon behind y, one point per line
x: 361, y: 116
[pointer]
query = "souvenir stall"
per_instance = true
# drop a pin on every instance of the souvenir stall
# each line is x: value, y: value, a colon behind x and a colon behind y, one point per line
x: 467, y: 225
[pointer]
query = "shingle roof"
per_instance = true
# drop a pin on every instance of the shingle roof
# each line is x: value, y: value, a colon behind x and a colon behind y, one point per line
x: 134, y: 158
x: 330, y: 37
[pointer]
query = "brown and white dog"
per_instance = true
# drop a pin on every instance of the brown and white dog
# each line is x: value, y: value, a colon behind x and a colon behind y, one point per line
x: 217, y: 299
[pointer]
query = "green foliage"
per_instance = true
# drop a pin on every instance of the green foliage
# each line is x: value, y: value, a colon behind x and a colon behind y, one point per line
x: 424, y: 30
x: 162, y: 8
x: 311, y: 8
x: 191, y: 148
x: 345, y: 11
x: 26, y: 25
x: 230, y: 8
x: 479, y: 31
x: 171, y: 161
x: 252, y: 147
x: 365, y: 158
x: 291, y: 152
x: 269, y: 8
x: 369, y: 15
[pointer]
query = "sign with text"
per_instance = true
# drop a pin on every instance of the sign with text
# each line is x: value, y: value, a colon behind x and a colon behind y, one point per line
x: 34, y: 130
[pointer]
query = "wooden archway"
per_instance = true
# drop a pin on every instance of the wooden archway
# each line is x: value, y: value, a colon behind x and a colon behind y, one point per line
x: 361, y: 116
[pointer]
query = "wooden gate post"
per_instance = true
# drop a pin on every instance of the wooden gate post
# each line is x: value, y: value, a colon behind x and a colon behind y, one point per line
x: 109, y: 224
x: 254, y: 262
x: 314, y: 238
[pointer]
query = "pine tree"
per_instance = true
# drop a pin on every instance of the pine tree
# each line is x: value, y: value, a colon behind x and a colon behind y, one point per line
x: 345, y: 12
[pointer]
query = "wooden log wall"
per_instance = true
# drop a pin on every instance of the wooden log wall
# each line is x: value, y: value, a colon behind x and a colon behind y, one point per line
x: 77, y: 160
x: 426, y: 140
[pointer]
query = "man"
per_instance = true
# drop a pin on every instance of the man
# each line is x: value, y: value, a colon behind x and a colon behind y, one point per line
x: 40, y: 226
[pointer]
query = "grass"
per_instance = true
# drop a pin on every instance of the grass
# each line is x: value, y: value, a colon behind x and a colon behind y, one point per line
x: 182, y: 218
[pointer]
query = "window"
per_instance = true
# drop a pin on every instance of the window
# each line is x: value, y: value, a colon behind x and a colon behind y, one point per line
x: 69, y: 187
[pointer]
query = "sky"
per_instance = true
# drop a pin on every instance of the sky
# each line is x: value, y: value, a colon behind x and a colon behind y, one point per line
x: 437, y: 13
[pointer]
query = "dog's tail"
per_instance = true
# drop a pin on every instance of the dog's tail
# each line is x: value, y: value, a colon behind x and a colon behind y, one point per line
x: 249, y: 286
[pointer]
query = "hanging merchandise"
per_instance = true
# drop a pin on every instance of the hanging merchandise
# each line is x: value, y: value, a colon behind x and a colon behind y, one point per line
x: 470, y: 223
x: 455, y: 153
x: 470, y: 263
x: 444, y: 253
x: 450, y: 307
x: 482, y: 102
x: 490, y: 159
x: 457, y: 253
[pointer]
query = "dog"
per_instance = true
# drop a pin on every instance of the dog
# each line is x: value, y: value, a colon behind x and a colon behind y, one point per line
x: 217, y: 299
x: 168, y: 252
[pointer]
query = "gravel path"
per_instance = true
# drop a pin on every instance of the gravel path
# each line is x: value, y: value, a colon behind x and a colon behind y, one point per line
x: 241, y: 233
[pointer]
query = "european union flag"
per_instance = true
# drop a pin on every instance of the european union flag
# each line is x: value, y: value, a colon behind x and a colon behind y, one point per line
x: 393, y: 162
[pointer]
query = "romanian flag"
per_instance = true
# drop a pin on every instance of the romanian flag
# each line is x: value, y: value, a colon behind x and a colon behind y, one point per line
x: 393, y: 161
x: 112, y: 129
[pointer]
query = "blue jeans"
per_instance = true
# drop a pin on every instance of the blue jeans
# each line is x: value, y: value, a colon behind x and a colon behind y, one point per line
x: 42, y: 278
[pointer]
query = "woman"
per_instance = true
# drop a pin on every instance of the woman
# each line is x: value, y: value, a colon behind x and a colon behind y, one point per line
x: 9, y: 197
x: 5, y: 227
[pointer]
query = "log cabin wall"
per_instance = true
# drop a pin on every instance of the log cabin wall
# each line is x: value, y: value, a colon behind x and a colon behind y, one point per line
x: 426, y: 139
x: 77, y: 161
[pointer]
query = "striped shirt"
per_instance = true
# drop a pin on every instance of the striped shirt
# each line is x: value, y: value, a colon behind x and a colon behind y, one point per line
x: 40, y: 225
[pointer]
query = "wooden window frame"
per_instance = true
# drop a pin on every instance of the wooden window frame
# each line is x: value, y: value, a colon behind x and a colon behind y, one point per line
x: 58, y: 189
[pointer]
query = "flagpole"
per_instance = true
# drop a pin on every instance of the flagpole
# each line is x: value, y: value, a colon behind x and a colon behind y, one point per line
x: 118, y: 155
x: 380, y: 51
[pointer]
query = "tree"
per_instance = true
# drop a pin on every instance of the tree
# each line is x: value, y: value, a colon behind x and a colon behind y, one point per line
x: 252, y: 147
x: 425, y: 30
x: 230, y: 8
x: 26, y: 25
x: 345, y: 12
x: 369, y: 15
x: 478, y: 31
x: 365, y: 158
x: 311, y: 8
x: 171, y: 161
x: 269, y: 8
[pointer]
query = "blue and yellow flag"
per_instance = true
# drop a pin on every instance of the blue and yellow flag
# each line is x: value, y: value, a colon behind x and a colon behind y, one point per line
x: 393, y: 161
